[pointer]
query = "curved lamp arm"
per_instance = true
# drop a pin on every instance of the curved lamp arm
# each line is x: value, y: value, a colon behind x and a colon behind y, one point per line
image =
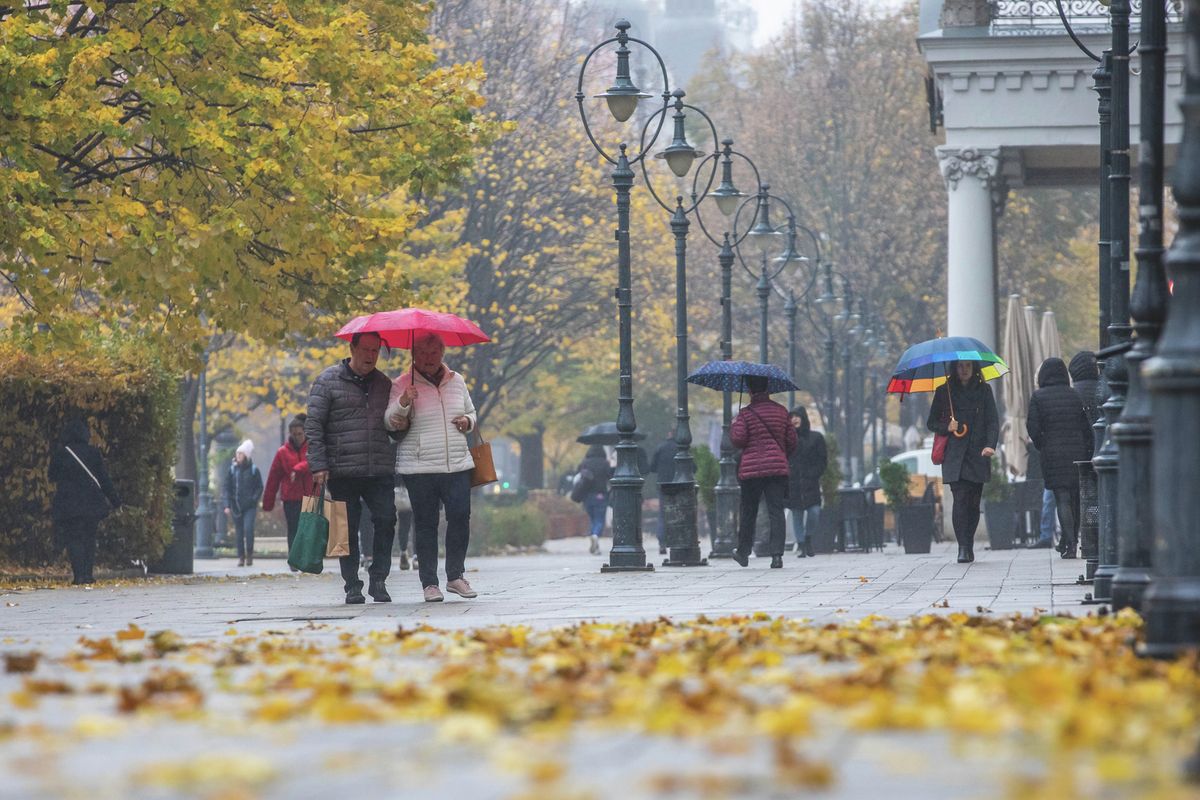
x: 678, y: 148
x: 623, y: 87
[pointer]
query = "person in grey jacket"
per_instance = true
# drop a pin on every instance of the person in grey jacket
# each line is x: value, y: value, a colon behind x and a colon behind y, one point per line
x: 350, y: 449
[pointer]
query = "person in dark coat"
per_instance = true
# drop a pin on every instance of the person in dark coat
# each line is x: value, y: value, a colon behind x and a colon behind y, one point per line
x: 1061, y: 431
x: 965, y: 410
x: 349, y: 445
x: 593, y: 474
x: 243, y: 490
x: 83, y: 496
x: 806, y: 465
x: 1085, y: 380
x: 662, y: 464
x: 762, y: 432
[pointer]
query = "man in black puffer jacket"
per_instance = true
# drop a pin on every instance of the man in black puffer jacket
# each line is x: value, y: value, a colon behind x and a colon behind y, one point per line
x: 349, y: 445
x: 1062, y: 433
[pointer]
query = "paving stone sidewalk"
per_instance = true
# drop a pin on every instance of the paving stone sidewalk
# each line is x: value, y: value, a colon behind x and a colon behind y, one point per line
x: 560, y: 586
x: 86, y: 751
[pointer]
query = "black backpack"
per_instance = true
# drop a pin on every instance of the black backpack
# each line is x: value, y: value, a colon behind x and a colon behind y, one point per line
x: 581, y: 487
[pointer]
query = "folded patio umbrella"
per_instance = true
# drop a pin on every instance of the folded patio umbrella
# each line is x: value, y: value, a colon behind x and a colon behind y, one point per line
x: 1018, y: 352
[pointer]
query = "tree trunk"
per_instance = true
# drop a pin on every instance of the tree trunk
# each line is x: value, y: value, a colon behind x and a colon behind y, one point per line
x: 533, y: 470
x: 186, y: 466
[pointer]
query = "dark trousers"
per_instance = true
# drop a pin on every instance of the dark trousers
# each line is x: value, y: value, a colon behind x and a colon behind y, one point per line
x: 429, y: 493
x: 243, y: 531
x: 774, y: 490
x: 377, y: 492
x: 291, y: 512
x: 967, y: 495
x: 1067, y: 502
x: 79, y: 536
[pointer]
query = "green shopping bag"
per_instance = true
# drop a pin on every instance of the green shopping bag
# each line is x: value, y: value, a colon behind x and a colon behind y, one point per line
x: 307, y: 552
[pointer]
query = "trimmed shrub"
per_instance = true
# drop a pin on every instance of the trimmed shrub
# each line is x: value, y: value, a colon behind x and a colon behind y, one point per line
x: 130, y: 402
x: 495, y: 529
x: 708, y: 472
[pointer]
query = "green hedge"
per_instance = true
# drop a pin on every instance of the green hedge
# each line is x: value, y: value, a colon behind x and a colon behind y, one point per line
x: 131, y: 404
x: 494, y: 529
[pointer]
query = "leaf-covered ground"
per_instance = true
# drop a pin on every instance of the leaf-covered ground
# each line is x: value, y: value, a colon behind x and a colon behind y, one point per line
x: 753, y: 706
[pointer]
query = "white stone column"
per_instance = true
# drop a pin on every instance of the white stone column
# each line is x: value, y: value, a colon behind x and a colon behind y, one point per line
x: 974, y: 186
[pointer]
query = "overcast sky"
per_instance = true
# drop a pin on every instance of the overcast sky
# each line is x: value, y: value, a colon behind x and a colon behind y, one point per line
x: 772, y: 14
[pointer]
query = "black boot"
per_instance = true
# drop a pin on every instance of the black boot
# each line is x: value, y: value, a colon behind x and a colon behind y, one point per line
x: 1068, y: 547
x: 964, y: 556
x: 354, y: 596
x: 776, y: 562
x: 379, y: 592
x: 741, y: 559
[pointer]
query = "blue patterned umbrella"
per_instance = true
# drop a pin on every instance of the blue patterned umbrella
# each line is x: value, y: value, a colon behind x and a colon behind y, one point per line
x: 730, y: 376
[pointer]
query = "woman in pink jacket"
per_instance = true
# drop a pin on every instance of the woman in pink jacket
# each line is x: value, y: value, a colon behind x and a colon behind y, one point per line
x: 766, y: 438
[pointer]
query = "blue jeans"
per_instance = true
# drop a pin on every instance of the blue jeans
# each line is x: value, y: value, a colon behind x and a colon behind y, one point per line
x: 1048, y: 507
x: 243, y: 531
x: 803, y: 520
x: 596, y: 506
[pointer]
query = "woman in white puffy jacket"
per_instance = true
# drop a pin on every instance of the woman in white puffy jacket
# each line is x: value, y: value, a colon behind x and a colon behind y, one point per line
x: 431, y: 405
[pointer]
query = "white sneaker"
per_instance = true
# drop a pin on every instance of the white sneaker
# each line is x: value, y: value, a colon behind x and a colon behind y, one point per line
x: 595, y: 546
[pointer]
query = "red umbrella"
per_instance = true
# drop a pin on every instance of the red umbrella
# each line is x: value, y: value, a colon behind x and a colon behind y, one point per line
x: 398, y: 328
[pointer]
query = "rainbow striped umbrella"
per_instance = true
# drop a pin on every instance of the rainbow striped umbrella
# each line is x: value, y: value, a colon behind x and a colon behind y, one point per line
x: 924, y: 366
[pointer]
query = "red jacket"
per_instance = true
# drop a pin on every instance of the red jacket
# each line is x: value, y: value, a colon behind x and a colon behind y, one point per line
x: 289, y: 475
x: 765, y: 436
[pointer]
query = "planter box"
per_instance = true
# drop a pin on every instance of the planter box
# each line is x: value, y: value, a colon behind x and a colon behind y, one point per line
x: 1001, y: 516
x: 915, y: 525
x: 824, y: 538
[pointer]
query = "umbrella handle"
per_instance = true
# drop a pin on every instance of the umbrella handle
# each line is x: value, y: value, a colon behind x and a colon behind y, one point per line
x: 950, y: 398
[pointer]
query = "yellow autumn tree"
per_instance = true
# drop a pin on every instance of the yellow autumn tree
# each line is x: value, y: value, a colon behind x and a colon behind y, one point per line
x: 211, y: 167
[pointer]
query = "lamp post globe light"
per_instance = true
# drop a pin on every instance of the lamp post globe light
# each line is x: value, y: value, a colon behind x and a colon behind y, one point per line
x: 680, y: 494
x: 727, y: 198
x: 622, y: 97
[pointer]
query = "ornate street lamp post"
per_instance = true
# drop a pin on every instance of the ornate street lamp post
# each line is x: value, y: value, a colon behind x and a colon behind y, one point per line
x: 728, y: 198
x: 679, y: 495
x: 826, y: 314
x: 204, y: 506
x: 622, y: 97
x: 1171, y: 606
x: 1112, y: 86
x: 1134, y: 431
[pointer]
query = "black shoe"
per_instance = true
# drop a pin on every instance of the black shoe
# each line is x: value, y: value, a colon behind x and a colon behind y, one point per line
x: 800, y: 552
x: 354, y: 597
x: 744, y: 560
x: 404, y: 562
x: 776, y: 562
x: 808, y: 548
x: 1040, y: 544
x: 379, y: 592
x: 964, y: 555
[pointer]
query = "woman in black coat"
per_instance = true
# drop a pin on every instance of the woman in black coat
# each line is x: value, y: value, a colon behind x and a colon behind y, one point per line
x: 806, y: 465
x: 1059, y: 426
x: 593, y: 475
x: 83, y: 496
x: 965, y: 410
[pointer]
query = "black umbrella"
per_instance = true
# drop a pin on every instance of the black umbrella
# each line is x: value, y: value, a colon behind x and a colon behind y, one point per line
x: 604, y: 433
